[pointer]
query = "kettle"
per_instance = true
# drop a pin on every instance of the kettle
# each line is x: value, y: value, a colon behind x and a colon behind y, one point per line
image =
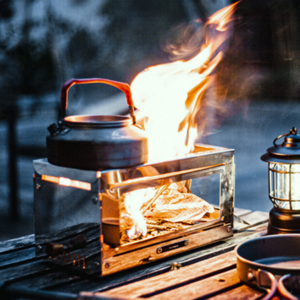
x: 95, y: 142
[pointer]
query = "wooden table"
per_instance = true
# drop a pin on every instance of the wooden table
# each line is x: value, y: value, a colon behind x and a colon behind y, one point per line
x: 205, y: 273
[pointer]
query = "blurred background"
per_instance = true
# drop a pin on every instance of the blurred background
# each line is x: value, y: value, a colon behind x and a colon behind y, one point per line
x: 43, y: 43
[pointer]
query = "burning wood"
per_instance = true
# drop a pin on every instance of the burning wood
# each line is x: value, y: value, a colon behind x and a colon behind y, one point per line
x: 173, y: 207
x: 157, y: 194
x: 150, y: 227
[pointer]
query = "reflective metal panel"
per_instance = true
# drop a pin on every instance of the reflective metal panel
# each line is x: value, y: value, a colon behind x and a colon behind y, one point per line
x: 69, y: 202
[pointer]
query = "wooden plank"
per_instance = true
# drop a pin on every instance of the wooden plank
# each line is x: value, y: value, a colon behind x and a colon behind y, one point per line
x: 178, y: 277
x: 241, y: 292
x: 18, y: 243
x: 13, y: 257
x: 20, y: 263
x: 49, y: 280
x: 256, y: 217
x: 249, y: 220
x: 226, y: 245
x: 23, y: 249
x: 38, y: 266
x: 203, y: 288
x: 241, y: 211
x: 99, y: 296
x: 22, y: 270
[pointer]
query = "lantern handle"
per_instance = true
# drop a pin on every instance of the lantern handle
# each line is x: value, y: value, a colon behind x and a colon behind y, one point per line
x: 292, y: 131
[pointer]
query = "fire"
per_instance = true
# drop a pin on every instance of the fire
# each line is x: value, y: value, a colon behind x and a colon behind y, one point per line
x: 169, y: 97
x: 133, y: 204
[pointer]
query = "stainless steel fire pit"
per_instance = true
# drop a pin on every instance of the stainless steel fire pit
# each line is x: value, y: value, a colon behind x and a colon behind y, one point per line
x: 78, y: 213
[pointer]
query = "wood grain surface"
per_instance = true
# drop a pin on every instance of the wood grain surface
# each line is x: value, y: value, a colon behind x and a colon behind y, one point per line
x: 205, y: 273
x: 213, y: 277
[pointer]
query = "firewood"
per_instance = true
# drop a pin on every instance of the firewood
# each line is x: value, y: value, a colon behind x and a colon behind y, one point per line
x: 159, y: 227
x: 158, y: 193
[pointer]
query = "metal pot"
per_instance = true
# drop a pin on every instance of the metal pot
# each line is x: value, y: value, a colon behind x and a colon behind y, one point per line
x: 96, y: 142
x: 261, y: 261
x: 111, y: 231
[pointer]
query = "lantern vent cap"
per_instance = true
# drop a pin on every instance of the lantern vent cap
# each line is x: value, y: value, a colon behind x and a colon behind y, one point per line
x: 287, y: 152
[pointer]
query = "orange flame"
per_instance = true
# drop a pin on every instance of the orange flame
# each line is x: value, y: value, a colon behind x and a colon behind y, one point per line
x: 169, y: 97
x: 222, y: 17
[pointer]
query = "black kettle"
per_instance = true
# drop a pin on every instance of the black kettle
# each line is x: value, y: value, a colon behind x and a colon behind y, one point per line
x: 95, y: 142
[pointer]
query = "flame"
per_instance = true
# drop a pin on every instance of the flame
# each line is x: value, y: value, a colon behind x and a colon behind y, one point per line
x: 222, y: 17
x: 133, y: 203
x: 169, y: 96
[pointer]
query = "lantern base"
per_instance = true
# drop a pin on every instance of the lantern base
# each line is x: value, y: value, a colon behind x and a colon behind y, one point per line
x: 283, y: 222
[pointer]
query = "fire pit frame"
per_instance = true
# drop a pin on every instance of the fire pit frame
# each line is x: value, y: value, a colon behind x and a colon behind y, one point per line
x: 74, y: 207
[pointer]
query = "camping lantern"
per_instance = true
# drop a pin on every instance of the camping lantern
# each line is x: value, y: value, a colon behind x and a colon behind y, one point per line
x: 284, y: 183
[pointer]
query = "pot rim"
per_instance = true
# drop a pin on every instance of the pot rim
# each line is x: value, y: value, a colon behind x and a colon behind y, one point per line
x: 97, y: 121
x: 259, y: 265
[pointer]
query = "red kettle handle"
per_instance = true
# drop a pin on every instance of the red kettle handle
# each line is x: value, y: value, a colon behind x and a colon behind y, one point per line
x: 124, y: 87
